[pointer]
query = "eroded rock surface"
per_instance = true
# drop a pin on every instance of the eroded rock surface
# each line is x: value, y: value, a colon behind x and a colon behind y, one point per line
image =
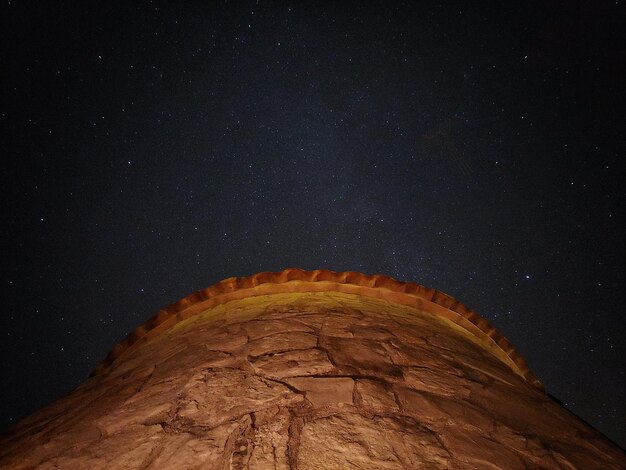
x: 307, y: 381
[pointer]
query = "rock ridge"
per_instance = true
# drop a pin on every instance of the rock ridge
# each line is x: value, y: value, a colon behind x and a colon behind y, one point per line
x: 299, y: 280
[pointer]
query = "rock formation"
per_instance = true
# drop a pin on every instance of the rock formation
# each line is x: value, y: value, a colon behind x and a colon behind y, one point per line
x: 310, y: 370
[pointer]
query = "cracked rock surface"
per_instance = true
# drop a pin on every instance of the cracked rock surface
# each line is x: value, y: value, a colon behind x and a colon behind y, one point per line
x: 308, y: 381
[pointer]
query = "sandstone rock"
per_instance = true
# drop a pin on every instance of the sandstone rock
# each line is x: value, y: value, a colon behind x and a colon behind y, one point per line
x: 352, y: 441
x: 321, y: 391
x: 310, y: 370
x: 375, y: 395
x: 292, y: 364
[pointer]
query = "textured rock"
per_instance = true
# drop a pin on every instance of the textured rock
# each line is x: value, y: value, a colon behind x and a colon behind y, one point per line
x: 308, y: 380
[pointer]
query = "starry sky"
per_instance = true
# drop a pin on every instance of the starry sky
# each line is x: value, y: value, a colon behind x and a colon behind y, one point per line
x: 151, y: 149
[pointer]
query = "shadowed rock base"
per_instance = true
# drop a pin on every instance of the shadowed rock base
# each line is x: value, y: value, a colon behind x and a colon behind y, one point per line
x: 310, y: 380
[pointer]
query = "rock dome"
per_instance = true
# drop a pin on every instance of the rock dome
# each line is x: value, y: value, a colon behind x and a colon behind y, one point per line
x: 310, y: 370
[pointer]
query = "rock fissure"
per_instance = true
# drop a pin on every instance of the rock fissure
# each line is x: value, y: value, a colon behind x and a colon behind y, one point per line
x: 253, y: 358
x: 296, y: 424
x: 286, y: 384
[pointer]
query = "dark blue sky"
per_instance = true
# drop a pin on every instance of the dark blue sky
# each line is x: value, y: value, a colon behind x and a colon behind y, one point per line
x: 153, y: 149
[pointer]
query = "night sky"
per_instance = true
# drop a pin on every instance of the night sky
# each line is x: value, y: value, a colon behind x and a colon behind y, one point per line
x: 153, y: 149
